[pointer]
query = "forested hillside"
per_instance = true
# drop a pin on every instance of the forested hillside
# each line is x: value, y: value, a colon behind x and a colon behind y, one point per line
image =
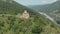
x: 35, y: 24
x: 11, y: 6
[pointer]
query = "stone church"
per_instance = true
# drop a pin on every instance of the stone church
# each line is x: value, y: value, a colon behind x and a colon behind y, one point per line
x: 24, y: 15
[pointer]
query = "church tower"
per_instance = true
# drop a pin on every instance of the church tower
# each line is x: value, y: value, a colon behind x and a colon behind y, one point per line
x: 25, y: 14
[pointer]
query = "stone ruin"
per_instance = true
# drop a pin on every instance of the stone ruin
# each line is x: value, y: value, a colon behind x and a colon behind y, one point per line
x: 24, y: 15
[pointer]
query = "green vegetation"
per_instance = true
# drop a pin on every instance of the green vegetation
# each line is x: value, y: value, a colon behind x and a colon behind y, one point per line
x: 13, y: 8
x: 36, y: 24
x: 33, y: 25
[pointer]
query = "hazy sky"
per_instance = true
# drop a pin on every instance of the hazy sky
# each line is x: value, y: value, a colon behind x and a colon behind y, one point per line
x: 35, y: 2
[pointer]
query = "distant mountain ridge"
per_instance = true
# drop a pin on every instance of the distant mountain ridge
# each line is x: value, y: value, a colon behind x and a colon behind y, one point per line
x: 47, y: 8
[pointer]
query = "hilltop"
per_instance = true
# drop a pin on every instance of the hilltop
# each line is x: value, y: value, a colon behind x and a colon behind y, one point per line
x: 36, y: 24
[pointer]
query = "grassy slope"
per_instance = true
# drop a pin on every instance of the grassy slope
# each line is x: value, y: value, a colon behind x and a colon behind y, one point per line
x: 36, y: 24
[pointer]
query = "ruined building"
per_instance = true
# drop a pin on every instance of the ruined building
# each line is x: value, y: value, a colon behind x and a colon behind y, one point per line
x: 24, y: 15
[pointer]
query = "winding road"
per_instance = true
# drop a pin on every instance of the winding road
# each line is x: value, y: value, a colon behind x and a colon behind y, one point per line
x: 48, y: 17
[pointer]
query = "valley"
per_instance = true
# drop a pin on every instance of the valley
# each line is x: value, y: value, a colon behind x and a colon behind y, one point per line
x: 53, y: 10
